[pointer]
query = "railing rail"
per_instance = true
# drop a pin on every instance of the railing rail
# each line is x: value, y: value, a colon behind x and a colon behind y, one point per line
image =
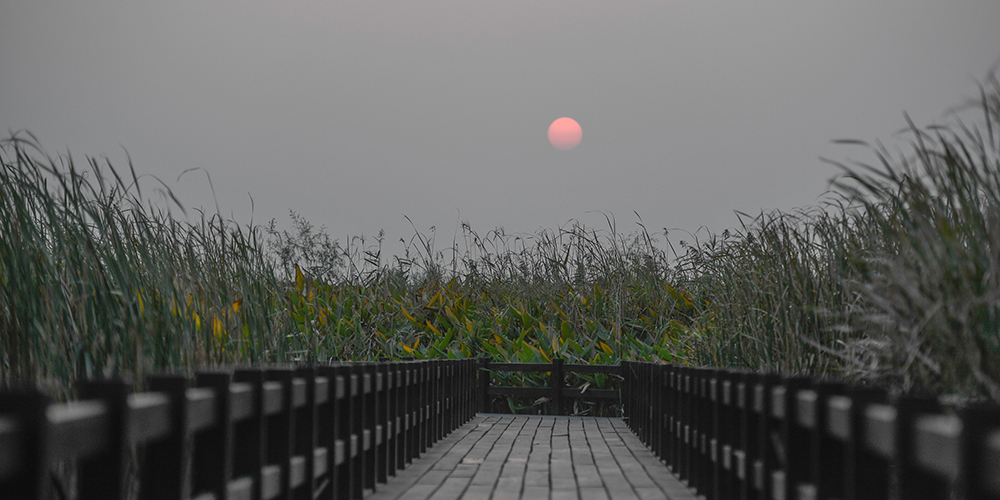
x: 323, y: 432
x: 320, y: 432
x: 743, y: 435
x: 556, y: 392
x: 336, y: 431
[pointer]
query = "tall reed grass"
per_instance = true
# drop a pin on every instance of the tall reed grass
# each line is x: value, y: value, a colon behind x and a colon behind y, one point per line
x: 893, y: 279
x: 98, y: 280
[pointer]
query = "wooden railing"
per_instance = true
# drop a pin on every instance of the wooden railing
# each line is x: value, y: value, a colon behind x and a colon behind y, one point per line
x: 337, y: 431
x: 756, y: 436
x: 250, y: 434
x: 556, y: 394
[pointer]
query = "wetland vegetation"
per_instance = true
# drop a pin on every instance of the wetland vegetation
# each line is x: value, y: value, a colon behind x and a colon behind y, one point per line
x: 894, y: 279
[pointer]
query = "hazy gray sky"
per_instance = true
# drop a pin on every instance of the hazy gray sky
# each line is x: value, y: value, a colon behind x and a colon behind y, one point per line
x: 358, y: 113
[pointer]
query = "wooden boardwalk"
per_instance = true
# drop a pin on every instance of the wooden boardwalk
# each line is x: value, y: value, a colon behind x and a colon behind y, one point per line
x: 502, y: 457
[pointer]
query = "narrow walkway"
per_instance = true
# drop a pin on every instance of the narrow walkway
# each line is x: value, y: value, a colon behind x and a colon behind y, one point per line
x: 502, y: 457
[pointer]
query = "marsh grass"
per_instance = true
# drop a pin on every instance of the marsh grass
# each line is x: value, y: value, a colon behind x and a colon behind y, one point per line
x: 893, y: 280
x: 98, y: 281
x: 933, y: 294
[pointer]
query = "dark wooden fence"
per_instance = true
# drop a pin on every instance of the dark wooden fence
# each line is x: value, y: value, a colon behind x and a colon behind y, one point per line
x: 749, y: 436
x: 248, y: 434
x: 339, y: 430
x: 556, y: 394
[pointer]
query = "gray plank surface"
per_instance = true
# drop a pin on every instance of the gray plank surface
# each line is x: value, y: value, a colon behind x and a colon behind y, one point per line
x: 527, y: 457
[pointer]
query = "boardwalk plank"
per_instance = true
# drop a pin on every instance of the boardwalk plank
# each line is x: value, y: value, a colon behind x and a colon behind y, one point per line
x: 501, y: 457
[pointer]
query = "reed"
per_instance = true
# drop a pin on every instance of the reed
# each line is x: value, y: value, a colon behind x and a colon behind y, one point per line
x: 99, y: 281
x: 893, y: 279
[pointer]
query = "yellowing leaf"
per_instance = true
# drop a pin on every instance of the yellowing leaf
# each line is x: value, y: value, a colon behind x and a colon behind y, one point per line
x: 408, y: 316
x: 300, y: 280
x: 435, y: 330
x: 606, y: 348
x: 542, y: 352
x: 451, y: 316
x: 687, y: 301
x: 237, y: 305
x: 217, y: 329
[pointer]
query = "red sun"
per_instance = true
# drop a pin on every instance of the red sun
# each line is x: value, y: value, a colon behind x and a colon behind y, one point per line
x: 565, y: 133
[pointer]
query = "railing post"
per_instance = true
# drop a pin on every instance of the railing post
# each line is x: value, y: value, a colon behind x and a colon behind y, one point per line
x: 869, y: 473
x: 345, y: 472
x: 437, y: 378
x: 249, y: 440
x: 652, y: 407
x: 327, y: 436
x: 977, y: 422
x: 382, y: 426
x: 714, y: 474
x: 305, y: 438
x: 164, y: 473
x: 447, y: 399
x: 626, y: 390
x: 913, y: 481
x: 827, y: 461
x: 424, y: 405
x: 214, y: 450
x: 412, y: 412
x: 701, y: 425
x: 649, y: 410
x: 484, y: 384
x: 392, y: 417
x: 686, y: 416
x: 768, y: 459
x: 472, y: 371
x: 469, y: 389
x: 31, y: 479
x: 398, y: 405
x: 728, y: 430
x: 662, y: 411
x: 645, y: 406
x: 670, y: 418
x: 369, y: 419
x: 104, y: 476
x: 742, y: 438
x: 750, y: 460
x: 281, y: 430
x: 656, y: 409
x: 357, y: 430
x: 556, y: 382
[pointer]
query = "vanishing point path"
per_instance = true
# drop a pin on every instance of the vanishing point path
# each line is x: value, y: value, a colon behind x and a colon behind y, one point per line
x: 501, y: 457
